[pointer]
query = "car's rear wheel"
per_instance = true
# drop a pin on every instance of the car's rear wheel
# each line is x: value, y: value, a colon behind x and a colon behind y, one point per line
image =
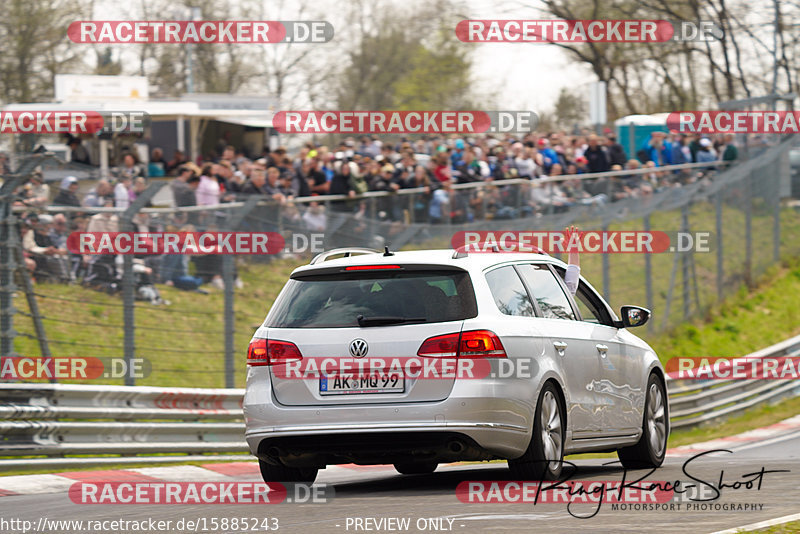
x: 544, y: 458
x: 652, y: 446
x: 416, y: 468
x: 281, y: 473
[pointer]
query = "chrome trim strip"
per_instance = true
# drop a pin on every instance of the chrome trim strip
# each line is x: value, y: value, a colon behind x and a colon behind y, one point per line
x: 384, y: 426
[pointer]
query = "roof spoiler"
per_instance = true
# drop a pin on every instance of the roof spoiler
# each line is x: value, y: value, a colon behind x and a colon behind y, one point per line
x: 463, y: 250
x: 346, y: 253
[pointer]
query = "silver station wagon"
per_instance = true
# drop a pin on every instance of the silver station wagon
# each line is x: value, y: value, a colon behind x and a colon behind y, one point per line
x: 426, y: 357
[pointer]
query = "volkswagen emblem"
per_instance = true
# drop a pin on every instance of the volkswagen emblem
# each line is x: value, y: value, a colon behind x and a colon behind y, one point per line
x: 358, y: 348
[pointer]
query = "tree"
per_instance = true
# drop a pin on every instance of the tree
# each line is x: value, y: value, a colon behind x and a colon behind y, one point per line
x: 106, y: 65
x: 393, y: 67
x: 569, y: 109
x: 34, y: 47
x: 658, y: 77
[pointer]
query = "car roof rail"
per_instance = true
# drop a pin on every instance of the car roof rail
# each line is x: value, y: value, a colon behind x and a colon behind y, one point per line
x: 346, y: 251
x: 463, y: 250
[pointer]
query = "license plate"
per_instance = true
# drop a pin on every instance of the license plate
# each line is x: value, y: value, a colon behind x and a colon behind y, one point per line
x: 344, y: 384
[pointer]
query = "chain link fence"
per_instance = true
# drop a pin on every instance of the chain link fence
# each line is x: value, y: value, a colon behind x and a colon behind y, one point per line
x: 191, y: 338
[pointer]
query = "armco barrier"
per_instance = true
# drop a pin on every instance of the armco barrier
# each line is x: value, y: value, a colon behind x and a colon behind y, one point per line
x: 697, y: 402
x: 53, y: 420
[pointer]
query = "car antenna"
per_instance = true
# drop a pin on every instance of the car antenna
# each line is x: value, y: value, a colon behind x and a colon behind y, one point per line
x: 386, y: 251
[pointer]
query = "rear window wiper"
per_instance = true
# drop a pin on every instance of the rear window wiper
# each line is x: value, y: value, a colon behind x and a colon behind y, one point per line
x: 387, y: 320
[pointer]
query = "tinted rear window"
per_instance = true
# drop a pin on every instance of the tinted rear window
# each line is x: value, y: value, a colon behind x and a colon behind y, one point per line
x: 335, y: 301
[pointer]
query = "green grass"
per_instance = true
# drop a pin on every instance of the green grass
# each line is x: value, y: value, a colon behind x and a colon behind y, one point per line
x: 184, y: 341
x: 746, y: 322
x: 785, y: 528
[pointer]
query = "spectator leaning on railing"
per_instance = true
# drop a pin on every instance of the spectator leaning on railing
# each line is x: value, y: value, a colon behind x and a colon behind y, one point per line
x: 67, y: 194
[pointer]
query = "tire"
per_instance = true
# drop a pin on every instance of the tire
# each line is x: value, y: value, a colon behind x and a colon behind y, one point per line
x: 281, y: 473
x: 416, y: 468
x: 652, y: 446
x: 545, y: 454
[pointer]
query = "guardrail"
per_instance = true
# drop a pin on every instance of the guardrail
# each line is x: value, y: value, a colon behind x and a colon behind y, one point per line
x: 54, y: 420
x: 697, y: 402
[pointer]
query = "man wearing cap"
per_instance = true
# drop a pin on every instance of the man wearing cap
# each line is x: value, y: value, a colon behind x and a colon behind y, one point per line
x: 616, y: 153
x: 706, y: 153
x: 78, y: 152
x: 458, y: 154
x: 68, y: 193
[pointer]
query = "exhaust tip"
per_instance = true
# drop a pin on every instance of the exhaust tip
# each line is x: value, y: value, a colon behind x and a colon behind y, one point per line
x: 456, y: 446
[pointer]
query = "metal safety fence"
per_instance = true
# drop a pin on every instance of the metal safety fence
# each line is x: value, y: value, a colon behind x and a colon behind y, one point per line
x: 196, y: 339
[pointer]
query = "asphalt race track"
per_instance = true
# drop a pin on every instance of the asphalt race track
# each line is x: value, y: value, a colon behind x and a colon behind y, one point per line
x: 379, y: 492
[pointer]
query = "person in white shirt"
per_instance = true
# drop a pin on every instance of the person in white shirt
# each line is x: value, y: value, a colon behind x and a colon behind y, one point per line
x: 572, y: 274
x: 122, y: 196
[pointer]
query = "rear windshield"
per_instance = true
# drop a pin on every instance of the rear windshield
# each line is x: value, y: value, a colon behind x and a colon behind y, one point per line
x: 336, y: 300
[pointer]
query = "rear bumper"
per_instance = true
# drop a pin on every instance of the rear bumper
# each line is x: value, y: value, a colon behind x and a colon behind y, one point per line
x: 490, y: 418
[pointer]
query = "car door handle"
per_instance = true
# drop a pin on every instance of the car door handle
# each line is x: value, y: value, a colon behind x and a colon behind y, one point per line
x: 560, y: 347
x: 602, y: 349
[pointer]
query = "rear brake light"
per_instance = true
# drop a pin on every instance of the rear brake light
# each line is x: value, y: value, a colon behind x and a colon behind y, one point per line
x: 480, y: 344
x: 272, y: 352
x: 371, y: 267
x: 470, y: 344
x: 445, y: 346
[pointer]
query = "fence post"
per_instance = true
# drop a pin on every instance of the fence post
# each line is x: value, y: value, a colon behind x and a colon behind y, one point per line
x: 606, y: 272
x: 776, y: 208
x: 7, y: 267
x: 229, y: 280
x: 648, y: 276
x: 36, y: 317
x: 230, y: 328
x: 128, y: 282
x: 685, y: 265
x: 720, y: 264
x: 748, y: 229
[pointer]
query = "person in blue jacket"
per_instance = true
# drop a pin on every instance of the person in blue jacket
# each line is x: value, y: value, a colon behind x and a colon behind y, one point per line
x: 656, y: 149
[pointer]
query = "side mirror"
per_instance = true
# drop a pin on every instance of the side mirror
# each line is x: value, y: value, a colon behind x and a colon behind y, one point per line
x: 634, y: 316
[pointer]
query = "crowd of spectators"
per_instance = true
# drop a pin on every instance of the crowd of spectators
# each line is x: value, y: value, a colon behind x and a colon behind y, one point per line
x: 434, y: 164
x: 349, y: 169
